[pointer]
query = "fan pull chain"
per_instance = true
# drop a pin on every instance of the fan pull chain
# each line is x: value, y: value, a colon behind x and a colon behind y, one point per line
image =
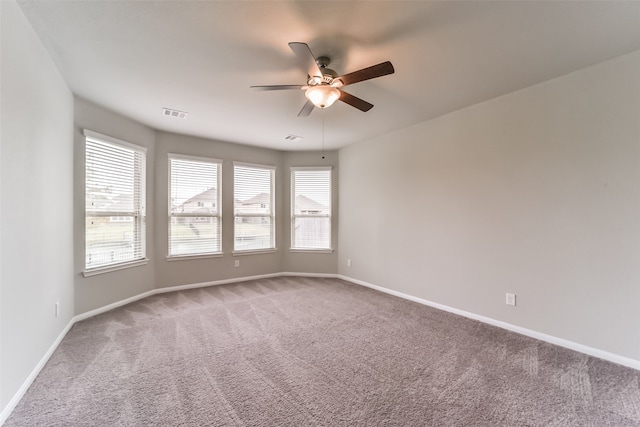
x: 322, y: 113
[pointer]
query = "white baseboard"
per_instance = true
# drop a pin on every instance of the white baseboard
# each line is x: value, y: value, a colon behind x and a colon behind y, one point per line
x: 320, y: 275
x: 601, y: 354
x: 7, y: 410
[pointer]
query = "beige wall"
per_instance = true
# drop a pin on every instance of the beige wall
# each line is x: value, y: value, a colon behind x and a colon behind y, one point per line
x: 535, y: 193
x: 103, y: 289
x: 36, y: 199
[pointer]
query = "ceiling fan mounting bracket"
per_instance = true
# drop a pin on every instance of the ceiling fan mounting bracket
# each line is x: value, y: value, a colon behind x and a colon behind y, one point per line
x: 323, y: 61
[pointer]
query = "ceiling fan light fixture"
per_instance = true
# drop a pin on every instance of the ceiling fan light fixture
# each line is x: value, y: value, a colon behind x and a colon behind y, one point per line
x: 323, y: 95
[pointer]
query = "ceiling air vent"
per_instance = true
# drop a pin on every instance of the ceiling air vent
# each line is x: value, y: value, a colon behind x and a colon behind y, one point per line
x: 174, y: 113
x: 293, y: 138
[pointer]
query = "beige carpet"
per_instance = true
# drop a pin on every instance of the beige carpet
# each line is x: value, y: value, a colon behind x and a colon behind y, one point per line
x: 306, y: 352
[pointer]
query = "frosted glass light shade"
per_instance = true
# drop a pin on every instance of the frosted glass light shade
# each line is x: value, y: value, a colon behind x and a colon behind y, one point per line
x: 322, y: 96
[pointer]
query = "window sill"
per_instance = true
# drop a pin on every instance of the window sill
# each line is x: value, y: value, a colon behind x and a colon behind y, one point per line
x: 312, y: 251
x: 254, y: 252
x: 187, y: 257
x: 116, y: 267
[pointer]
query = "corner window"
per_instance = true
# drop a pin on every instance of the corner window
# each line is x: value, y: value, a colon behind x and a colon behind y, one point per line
x: 194, y: 194
x: 115, y: 218
x: 253, y: 206
x: 311, y: 208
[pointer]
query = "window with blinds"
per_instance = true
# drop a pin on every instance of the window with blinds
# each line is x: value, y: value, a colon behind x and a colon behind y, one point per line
x: 194, y: 206
x: 114, y: 202
x: 311, y: 208
x: 253, y: 206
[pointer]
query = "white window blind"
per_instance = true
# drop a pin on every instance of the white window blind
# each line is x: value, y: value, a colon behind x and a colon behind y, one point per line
x: 114, y: 201
x: 194, y: 206
x: 254, y: 224
x: 311, y: 208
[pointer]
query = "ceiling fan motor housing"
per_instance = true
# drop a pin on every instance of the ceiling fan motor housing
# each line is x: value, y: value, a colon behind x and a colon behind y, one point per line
x: 328, y: 75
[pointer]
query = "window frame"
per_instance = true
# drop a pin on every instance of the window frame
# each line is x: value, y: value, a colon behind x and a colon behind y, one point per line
x: 294, y: 216
x: 271, y: 214
x: 196, y: 216
x: 138, y: 214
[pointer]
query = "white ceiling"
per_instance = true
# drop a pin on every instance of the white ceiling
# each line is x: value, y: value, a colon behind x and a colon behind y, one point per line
x: 136, y: 57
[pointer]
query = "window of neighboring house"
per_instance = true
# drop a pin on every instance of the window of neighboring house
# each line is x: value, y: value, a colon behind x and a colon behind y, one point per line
x: 254, y: 211
x: 311, y: 208
x: 115, y: 219
x: 194, y: 220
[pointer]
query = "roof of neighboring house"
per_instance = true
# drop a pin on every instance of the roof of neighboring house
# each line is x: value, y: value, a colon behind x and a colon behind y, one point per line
x: 303, y: 203
x: 258, y: 199
x: 209, y: 195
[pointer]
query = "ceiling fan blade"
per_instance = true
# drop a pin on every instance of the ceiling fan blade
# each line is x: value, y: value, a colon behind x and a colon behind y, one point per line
x: 307, y: 108
x: 306, y: 58
x: 372, y: 72
x: 354, y: 101
x: 277, y: 87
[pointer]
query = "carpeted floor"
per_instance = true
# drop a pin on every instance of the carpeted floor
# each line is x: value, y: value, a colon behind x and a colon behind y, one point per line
x: 305, y: 352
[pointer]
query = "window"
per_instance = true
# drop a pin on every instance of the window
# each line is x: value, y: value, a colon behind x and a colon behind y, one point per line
x: 254, y: 224
x: 194, y: 219
x: 311, y: 208
x: 114, y: 202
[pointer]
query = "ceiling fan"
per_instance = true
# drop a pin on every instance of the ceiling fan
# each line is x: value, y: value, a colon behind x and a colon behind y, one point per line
x: 324, y: 86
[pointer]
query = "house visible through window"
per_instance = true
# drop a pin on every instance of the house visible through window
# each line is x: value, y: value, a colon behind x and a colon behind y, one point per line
x: 115, y: 220
x: 254, y: 224
x: 194, y: 219
x: 311, y: 208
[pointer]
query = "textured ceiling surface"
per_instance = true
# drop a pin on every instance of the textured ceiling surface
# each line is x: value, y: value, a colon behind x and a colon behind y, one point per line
x: 136, y: 57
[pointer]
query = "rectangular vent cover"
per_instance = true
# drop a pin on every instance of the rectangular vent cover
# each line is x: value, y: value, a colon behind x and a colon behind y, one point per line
x: 174, y: 113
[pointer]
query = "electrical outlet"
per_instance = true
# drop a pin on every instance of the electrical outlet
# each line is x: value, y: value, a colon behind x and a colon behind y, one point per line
x: 348, y: 263
x: 236, y: 263
x: 511, y: 299
x: 57, y: 309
